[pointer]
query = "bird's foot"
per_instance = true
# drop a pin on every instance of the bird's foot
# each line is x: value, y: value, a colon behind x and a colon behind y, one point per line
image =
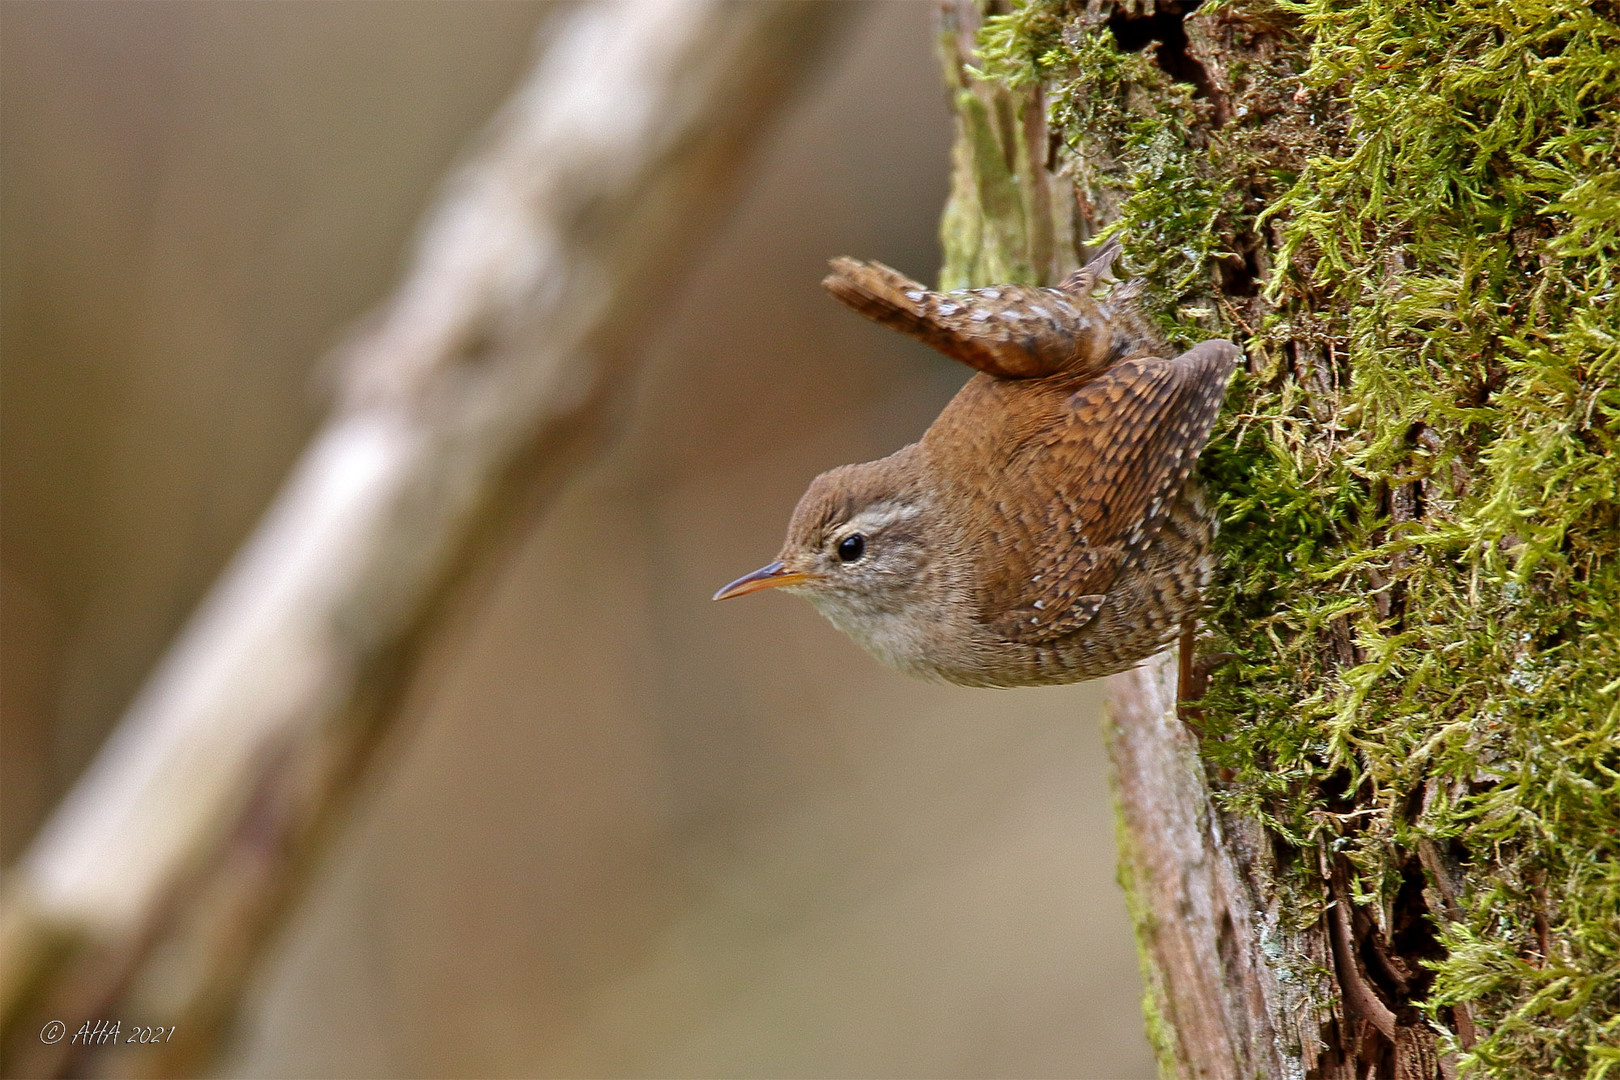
x: 1193, y: 678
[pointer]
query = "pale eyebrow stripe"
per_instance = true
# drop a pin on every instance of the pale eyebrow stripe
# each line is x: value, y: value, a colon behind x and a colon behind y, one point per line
x: 876, y: 517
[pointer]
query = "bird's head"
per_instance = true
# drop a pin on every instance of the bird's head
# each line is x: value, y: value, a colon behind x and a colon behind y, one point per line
x: 858, y: 548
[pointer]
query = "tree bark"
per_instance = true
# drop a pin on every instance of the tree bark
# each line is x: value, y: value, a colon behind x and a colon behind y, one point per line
x: 1196, y: 879
x: 1342, y: 870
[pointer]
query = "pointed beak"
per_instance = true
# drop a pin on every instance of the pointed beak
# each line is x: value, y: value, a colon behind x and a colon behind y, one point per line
x: 766, y: 577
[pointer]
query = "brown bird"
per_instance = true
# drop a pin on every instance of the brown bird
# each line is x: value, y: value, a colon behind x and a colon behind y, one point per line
x: 1047, y: 527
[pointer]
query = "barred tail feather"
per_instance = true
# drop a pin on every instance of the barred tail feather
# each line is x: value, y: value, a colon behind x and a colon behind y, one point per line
x: 941, y: 321
x: 887, y: 296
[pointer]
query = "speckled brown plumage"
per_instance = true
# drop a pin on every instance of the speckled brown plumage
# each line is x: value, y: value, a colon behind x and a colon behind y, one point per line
x: 1046, y: 528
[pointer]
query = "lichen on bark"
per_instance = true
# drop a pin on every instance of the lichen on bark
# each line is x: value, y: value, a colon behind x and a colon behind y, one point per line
x: 1409, y: 216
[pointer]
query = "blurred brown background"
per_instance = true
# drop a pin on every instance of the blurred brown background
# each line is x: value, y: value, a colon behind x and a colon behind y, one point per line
x: 621, y: 830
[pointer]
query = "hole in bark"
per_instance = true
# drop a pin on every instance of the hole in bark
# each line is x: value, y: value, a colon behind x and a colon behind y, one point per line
x: 1412, y: 805
x: 1413, y: 931
x: 1240, y: 275
x: 1385, y: 971
x: 1284, y: 854
x: 1133, y: 33
x: 1337, y: 792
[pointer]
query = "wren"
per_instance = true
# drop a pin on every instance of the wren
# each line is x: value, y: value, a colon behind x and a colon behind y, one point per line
x: 1047, y: 527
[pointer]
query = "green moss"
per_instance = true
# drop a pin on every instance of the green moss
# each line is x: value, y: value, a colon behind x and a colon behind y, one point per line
x: 1450, y: 514
x: 1419, y: 475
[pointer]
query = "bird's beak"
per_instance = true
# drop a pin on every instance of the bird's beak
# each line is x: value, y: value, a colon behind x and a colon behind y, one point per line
x: 766, y: 577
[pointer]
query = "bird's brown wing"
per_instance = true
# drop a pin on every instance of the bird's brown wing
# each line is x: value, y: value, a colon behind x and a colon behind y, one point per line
x: 1098, y: 483
x: 1009, y: 331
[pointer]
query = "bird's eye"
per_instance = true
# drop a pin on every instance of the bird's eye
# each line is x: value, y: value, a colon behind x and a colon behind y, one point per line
x: 851, y: 547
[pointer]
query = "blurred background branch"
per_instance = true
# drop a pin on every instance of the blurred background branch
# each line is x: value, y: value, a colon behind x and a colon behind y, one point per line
x: 491, y: 374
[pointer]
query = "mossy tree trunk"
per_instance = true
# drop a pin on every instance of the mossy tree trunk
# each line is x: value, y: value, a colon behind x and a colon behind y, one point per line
x: 1392, y: 847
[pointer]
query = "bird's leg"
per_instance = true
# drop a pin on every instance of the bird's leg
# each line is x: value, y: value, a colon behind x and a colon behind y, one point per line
x: 1192, y: 676
x: 1186, y: 693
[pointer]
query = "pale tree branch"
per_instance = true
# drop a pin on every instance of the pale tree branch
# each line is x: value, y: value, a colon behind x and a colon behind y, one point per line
x: 490, y: 373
